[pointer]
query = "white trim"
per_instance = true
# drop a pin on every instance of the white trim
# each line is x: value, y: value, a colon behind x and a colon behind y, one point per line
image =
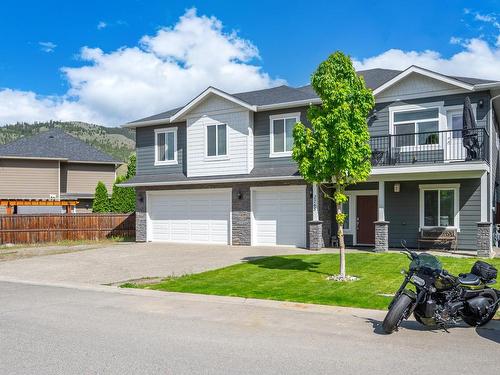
x: 95, y: 162
x: 456, y: 204
x: 417, y: 107
x: 216, y: 156
x: 203, y: 95
x: 166, y: 161
x: 297, y: 103
x: 255, y: 189
x: 484, y: 197
x: 212, y: 181
x: 59, y: 180
x: 284, y: 117
x: 395, y: 98
x: 315, y: 210
x: 424, y: 72
x: 381, y: 201
x: 139, y: 124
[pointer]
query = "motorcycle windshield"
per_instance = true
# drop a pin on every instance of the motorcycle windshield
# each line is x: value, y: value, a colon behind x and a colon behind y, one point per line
x: 427, y: 261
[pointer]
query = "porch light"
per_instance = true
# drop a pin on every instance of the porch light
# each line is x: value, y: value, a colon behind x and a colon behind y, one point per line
x: 397, y: 187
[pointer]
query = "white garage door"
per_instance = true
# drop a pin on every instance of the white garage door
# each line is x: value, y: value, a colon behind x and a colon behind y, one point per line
x: 279, y: 216
x: 189, y: 216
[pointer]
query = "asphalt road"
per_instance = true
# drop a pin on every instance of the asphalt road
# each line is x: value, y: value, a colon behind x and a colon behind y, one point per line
x: 57, y: 330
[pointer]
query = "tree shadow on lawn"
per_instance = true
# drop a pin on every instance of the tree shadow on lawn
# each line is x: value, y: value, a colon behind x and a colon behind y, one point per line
x: 281, y: 263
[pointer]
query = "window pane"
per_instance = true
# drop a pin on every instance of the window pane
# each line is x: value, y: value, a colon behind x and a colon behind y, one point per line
x: 428, y: 138
x: 345, y: 210
x: 170, y: 146
x: 431, y: 208
x: 161, y: 146
x: 457, y: 125
x: 290, y: 123
x: 447, y: 205
x: 211, y: 139
x: 408, y: 139
x: 278, y: 136
x: 420, y: 114
x: 221, y: 137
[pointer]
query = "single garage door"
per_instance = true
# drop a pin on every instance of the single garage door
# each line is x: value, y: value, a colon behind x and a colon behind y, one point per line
x: 189, y: 216
x: 279, y: 216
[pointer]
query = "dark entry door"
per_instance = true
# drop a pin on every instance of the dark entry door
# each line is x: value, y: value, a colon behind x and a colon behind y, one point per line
x: 366, y: 215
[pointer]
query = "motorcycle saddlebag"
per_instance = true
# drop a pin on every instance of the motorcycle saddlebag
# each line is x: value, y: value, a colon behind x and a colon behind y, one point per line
x: 484, y: 270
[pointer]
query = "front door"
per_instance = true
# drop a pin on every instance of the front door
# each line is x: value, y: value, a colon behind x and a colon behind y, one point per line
x: 366, y: 215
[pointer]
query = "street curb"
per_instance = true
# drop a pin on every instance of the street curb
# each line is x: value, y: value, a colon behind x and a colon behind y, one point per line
x: 191, y: 297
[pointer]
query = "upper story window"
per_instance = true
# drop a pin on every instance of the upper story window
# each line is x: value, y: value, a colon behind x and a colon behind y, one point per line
x: 282, y: 133
x: 217, y: 140
x: 416, y: 127
x: 166, y: 146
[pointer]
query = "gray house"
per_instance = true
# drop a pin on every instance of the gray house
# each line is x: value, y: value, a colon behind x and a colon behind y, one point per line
x: 219, y: 169
x: 53, y: 166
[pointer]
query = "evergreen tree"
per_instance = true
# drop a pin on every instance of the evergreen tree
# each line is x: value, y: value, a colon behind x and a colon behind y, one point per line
x: 101, y: 199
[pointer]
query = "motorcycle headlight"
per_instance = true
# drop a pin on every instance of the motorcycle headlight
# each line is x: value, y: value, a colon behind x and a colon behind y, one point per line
x: 418, y: 280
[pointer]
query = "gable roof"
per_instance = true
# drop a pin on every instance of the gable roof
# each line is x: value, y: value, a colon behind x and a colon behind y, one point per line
x: 54, y: 144
x: 282, y: 96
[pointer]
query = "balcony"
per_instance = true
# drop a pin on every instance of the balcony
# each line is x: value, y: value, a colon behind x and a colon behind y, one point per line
x: 430, y: 147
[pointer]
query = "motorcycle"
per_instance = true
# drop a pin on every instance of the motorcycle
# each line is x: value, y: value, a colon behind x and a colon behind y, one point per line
x: 439, y: 298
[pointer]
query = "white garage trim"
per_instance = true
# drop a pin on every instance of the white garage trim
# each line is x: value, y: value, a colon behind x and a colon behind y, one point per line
x: 187, y: 192
x: 301, y: 213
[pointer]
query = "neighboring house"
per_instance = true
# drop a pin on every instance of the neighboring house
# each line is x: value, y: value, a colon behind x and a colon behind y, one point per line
x: 53, y: 165
x: 219, y: 169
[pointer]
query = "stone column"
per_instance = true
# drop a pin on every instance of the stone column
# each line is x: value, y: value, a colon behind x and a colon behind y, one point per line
x: 484, y: 240
x: 315, y: 229
x: 241, y: 216
x: 140, y: 217
x: 381, y: 236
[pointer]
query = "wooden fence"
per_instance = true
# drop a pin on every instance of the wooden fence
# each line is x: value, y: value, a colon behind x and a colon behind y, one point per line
x: 34, y: 228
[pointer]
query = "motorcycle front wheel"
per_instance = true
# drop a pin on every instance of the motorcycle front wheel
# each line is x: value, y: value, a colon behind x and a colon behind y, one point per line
x: 396, y: 313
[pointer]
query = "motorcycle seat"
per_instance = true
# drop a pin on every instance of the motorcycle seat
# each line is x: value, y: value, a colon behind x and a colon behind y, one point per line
x: 469, y: 279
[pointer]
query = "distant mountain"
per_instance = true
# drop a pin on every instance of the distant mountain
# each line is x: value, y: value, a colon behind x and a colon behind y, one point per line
x: 117, y: 142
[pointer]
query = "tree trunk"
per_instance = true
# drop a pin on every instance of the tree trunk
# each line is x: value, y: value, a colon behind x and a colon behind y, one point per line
x: 340, y: 235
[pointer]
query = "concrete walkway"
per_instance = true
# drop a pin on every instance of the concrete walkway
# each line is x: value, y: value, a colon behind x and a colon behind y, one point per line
x: 128, y: 261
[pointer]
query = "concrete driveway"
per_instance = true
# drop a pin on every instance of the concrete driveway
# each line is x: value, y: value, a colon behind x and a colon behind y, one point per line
x: 128, y: 261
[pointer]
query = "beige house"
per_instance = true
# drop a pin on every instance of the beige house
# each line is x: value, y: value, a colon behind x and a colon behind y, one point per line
x: 53, y: 165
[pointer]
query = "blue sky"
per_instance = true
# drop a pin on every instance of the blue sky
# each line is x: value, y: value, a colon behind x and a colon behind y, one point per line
x: 274, y: 42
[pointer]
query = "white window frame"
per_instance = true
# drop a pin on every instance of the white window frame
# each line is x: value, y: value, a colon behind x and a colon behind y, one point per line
x: 216, y: 156
x: 416, y: 107
x: 434, y: 187
x: 165, y: 131
x: 284, y: 117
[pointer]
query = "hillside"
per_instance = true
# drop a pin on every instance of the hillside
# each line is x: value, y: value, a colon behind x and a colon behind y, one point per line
x: 117, y: 142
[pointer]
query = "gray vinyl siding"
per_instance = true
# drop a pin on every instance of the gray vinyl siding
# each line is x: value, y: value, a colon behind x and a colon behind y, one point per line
x: 262, y: 138
x: 402, y: 211
x: 145, y: 146
x: 380, y: 125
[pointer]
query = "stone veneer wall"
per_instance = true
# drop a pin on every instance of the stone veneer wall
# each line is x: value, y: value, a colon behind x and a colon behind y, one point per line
x: 140, y: 216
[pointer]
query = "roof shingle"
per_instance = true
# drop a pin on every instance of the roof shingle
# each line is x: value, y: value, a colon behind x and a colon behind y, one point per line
x: 54, y: 144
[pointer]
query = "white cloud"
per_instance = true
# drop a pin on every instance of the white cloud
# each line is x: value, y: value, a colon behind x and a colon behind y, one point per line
x: 101, y: 25
x: 477, y: 58
x: 47, y: 46
x: 163, y: 71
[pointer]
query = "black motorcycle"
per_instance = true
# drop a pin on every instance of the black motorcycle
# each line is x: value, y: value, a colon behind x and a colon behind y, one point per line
x: 439, y: 298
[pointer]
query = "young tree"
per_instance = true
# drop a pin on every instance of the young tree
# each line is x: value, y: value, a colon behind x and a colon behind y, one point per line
x: 101, y: 199
x: 336, y: 151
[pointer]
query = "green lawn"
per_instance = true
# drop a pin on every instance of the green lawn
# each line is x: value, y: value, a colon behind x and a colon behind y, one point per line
x: 302, y: 278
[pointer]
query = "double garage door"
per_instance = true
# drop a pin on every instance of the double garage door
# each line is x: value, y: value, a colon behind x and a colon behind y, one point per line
x: 204, y: 216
